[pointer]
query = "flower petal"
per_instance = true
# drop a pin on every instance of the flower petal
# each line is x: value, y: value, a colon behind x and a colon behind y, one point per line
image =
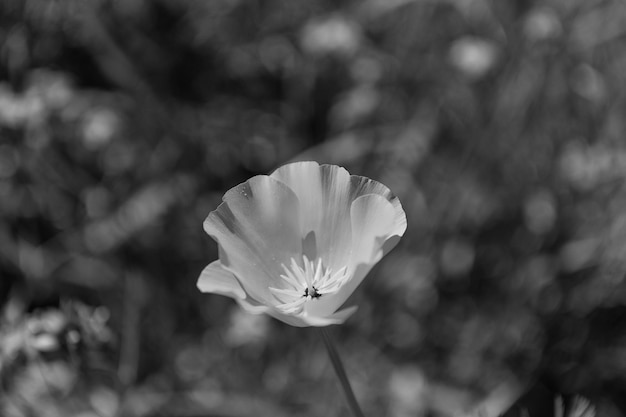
x: 326, y: 193
x: 375, y: 220
x: 215, y: 279
x: 378, y: 225
x: 227, y: 285
x: 258, y: 229
x: 325, y: 198
x: 363, y: 186
x: 305, y: 180
x: 302, y: 209
x: 297, y: 320
x: 376, y: 228
x: 336, y: 318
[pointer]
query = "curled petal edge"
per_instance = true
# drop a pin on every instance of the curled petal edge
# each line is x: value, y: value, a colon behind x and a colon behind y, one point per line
x: 217, y: 280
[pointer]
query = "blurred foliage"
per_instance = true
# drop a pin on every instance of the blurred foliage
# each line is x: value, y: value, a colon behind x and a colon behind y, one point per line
x: 498, y: 124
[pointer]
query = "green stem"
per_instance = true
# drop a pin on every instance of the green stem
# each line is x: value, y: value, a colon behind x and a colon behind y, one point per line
x: 341, y: 373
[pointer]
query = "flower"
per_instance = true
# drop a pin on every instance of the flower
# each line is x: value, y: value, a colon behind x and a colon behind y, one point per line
x: 295, y: 244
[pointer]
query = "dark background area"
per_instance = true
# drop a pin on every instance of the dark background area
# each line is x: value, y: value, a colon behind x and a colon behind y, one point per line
x: 500, y: 126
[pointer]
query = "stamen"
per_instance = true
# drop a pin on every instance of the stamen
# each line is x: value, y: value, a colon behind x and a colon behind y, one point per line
x: 290, y: 278
x: 307, y: 282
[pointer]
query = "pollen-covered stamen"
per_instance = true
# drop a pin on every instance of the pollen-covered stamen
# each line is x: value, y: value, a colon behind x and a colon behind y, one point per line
x: 307, y: 282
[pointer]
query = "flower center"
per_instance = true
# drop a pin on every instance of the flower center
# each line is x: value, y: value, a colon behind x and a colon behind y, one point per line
x: 313, y: 293
x: 308, y: 282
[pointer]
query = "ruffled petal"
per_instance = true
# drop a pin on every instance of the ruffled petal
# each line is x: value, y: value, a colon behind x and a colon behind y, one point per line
x: 258, y: 229
x: 325, y: 198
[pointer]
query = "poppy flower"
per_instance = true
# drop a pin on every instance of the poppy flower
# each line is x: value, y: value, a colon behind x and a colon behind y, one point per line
x: 295, y: 244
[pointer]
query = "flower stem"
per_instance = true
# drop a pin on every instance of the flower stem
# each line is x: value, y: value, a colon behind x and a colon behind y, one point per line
x: 341, y: 373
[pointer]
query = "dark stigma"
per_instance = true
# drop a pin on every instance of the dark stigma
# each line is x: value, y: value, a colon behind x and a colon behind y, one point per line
x: 314, y: 293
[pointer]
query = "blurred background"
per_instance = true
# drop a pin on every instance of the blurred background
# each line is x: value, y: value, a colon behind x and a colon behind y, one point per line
x: 498, y: 124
